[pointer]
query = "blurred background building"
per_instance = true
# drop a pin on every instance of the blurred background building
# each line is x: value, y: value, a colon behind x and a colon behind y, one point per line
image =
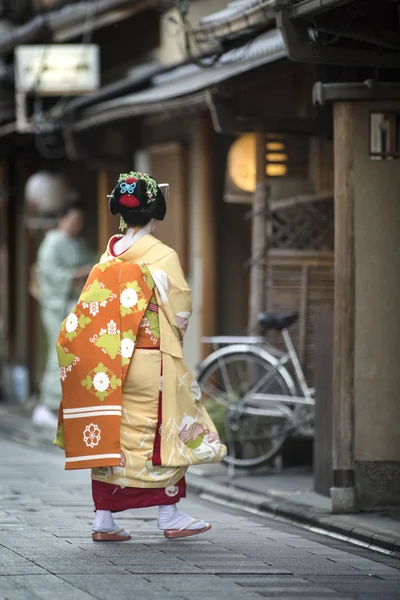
x: 294, y: 103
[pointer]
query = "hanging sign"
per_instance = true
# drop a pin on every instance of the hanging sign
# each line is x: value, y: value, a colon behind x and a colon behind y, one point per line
x: 56, y: 69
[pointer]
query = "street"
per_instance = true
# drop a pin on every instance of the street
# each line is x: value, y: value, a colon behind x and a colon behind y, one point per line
x: 46, y: 550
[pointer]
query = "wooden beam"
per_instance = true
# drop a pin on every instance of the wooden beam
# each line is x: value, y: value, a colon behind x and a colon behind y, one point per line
x: 311, y: 8
x: 107, y: 224
x: 343, y: 496
x: 259, y: 242
x: 323, y: 93
x: 300, y: 200
x: 298, y: 47
x: 208, y: 238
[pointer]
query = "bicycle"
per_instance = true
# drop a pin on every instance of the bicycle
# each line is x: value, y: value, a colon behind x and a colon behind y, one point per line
x: 252, y: 396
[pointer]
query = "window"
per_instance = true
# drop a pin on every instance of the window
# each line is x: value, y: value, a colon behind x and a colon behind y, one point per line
x: 384, y: 138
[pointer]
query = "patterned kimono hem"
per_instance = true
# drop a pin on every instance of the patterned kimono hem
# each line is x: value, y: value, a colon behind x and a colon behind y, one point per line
x: 108, y: 496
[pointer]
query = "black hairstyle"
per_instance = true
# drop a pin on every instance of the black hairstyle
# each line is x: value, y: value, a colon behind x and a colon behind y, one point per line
x: 138, y: 199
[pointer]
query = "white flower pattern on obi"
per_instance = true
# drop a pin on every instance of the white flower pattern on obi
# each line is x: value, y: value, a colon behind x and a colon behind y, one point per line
x: 92, y: 435
x: 71, y: 323
x: 112, y: 328
x: 129, y: 298
x: 127, y: 348
x: 66, y: 360
x: 101, y: 382
x: 94, y: 308
x: 163, y: 284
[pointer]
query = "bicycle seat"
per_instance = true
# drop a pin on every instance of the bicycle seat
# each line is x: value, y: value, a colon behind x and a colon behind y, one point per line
x: 277, y: 321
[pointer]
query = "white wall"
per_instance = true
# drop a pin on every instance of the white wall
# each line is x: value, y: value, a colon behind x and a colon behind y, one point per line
x: 172, y: 46
x: 377, y: 326
x: 377, y: 234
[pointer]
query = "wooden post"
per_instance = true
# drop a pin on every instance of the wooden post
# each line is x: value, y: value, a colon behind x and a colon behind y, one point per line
x: 303, y: 312
x: 208, y: 242
x: 323, y: 406
x: 259, y: 240
x: 343, y: 490
x: 168, y: 163
x: 33, y: 314
x: 107, y: 224
x: 4, y: 265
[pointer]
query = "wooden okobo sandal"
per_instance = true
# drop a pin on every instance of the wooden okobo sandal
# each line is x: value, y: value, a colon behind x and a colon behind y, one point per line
x: 112, y: 536
x: 183, y: 532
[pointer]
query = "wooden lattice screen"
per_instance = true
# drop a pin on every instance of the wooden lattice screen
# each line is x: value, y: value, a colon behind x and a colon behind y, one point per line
x: 302, y: 282
x: 305, y: 227
x: 300, y: 274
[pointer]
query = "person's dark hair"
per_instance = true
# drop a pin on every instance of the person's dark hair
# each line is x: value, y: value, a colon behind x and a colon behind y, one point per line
x: 77, y: 205
x: 138, y: 199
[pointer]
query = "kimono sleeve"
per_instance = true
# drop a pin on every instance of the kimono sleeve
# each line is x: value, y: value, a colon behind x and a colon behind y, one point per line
x: 174, y: 293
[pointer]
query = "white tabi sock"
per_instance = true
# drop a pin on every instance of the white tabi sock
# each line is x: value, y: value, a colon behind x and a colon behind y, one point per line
x: 104, y: 523
x: 170, y: 517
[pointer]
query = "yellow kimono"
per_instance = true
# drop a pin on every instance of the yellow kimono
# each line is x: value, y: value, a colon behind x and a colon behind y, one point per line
x: 164, y: 425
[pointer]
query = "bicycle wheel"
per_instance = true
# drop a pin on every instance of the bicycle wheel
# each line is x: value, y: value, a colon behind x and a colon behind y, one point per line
x: 254, y: 430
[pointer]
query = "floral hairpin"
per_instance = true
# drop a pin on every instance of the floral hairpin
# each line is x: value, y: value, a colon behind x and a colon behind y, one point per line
x: 151, y: 184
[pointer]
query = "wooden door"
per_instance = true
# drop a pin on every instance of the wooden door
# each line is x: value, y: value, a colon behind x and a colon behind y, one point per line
x: 168, y: 164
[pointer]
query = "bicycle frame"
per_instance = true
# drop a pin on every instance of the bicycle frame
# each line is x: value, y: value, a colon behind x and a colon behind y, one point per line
x: 281, y: 359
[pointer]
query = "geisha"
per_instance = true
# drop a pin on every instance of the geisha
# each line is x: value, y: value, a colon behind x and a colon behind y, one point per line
x: 131, y: 410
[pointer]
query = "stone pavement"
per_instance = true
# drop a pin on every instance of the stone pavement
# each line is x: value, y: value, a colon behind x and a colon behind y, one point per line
x: 287, y: 494
x: 46, y: 551
x: 290, y: 494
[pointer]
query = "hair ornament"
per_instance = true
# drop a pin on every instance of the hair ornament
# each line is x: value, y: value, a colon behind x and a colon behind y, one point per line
x: 127, y: 188
x: 151, y: 184
x: 122, y: 225
x: 164, y: 187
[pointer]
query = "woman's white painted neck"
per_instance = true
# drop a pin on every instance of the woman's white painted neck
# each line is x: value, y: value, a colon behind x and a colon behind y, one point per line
x: 132, y: 236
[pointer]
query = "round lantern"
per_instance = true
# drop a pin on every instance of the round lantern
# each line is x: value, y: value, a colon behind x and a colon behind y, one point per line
x: 45, y: 194
x: 242, y: 163
x: 242, y: 160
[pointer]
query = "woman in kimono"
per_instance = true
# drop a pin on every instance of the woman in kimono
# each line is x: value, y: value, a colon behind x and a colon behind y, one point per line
x: 63, y: 263
x: 161, y: 426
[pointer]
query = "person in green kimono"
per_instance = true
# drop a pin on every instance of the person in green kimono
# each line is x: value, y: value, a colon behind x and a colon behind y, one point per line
x: 64, y: 261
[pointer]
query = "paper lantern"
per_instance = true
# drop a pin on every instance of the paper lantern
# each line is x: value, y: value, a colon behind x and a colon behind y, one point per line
x: 242, y: 160
x: 242, y: 163
x: 46, y: 194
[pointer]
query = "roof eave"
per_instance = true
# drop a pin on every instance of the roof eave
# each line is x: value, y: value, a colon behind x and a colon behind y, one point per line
x: 183, y: 91
x: 68, y: 22
x: 247, y: 20
x: 191, y: 102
